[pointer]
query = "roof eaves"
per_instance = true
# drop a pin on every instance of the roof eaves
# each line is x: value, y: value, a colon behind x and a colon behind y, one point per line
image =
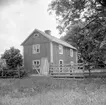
x: 51, y: 38
x: 27, y: 38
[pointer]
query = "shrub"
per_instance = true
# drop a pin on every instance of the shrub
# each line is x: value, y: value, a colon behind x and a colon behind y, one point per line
x: 13, y: 58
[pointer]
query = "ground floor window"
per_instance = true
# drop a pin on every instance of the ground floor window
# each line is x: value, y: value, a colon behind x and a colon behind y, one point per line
x: 61, y: 65
x: 60, y: 62
x: 72, y: 63
x: 36, y: 66
x: 36, y: 63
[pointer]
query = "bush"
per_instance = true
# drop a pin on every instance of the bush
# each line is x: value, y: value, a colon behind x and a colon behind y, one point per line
x: 23, y: 74
x: 13, y: 58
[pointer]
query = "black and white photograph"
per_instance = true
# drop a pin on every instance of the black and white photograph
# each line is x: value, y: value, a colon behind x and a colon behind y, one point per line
x: 52, y: 52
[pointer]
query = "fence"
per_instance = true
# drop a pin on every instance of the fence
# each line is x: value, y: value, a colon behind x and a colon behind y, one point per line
x: 66, y: 69
x: 78, y: 70
x: 11, y: 73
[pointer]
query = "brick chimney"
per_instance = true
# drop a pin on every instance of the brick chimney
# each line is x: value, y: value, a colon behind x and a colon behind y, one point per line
x: 48, y: 32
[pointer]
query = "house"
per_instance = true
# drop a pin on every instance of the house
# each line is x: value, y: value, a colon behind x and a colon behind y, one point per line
x: 41, y: 49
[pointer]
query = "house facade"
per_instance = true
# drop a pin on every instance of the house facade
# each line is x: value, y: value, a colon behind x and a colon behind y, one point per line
x: 41, y: 49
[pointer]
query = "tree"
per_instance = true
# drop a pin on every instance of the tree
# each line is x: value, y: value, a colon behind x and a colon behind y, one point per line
x: 88, y: 42
x: 13, y: 58
x: 90, y: 16
x: 69, y: 12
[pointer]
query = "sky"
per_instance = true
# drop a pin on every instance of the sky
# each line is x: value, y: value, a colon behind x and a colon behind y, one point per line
x: 18, y: 18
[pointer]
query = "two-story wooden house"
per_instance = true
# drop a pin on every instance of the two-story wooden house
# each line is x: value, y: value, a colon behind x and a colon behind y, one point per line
x: 41, y: 49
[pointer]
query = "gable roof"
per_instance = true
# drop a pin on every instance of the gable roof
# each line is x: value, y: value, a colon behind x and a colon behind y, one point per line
x: 52, y: 38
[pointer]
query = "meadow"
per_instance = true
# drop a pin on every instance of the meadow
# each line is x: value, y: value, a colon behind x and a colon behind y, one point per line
x: 53, y: 91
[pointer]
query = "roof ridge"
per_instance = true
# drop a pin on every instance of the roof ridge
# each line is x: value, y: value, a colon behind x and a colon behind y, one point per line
x: 55, y: 39
x: 51, y: 38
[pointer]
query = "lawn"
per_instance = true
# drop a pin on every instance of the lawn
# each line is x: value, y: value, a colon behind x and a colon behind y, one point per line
x: 52, y: 91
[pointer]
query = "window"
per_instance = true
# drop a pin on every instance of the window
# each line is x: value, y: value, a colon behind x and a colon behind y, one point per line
x: 60, y: 65
x: 36, y: 64
x: 36, y: 48
x: 71, y: 52
x: 60, y: 49
x: 36, y: 35
x: 60, y: 62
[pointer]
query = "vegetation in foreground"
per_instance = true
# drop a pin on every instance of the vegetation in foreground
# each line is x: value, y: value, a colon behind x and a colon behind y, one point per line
x: 49, y: 91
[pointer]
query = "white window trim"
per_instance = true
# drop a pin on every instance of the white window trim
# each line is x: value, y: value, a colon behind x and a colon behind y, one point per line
x: 38, y: 46
x: 60, y: 48
x: 34, y: 64
x: 62, y: 61
x: 71, y: 52
x: 36, y: 61
x: 35, y: 47
x: 61, y: 65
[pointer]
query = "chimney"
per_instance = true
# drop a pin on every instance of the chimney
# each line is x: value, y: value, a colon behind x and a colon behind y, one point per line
x: 48, y: 32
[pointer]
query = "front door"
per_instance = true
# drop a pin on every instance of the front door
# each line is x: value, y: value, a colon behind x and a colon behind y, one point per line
x: 36, y: 67
x: 44, y: 66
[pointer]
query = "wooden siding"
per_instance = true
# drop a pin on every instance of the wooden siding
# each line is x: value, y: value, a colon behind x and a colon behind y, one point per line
x: 65, y: 56
x: 44, y: 50
x: 35, y: 40
x: 47, y: 50
x: 29, y: 57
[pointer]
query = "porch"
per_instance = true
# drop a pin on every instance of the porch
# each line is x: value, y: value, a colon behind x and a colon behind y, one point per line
x: 66, y: 70
x: 49, y: 69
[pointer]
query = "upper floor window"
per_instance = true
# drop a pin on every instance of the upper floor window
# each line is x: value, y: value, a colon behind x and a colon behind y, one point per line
x: 60, y: 49
x: 71, y: 52
x: 36, y: 48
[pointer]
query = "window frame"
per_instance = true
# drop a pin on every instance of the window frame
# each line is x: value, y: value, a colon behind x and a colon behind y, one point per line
x: 71, y: 52
x: 60, y: 49
x: 36, y: 63
x: 61, y: 65
x: 35, y: 48
x: 62, y: 62
x: 36, y: 35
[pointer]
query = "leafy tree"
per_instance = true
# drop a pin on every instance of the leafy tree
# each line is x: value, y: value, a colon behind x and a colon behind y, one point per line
x: 13, y: 58
x: 69, y: 12
x: 88, y: 42
x: 89, y: 20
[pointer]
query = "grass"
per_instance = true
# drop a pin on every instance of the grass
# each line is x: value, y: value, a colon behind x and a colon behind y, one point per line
x: 49, y: 91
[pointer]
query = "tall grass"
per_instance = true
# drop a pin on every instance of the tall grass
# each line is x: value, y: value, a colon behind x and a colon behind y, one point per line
x: 49, y: 91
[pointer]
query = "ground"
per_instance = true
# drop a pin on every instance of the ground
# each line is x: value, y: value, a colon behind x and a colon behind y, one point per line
x: 49, y: 91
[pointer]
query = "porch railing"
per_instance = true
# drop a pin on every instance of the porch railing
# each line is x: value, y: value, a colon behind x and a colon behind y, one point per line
x: 66, y: 69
